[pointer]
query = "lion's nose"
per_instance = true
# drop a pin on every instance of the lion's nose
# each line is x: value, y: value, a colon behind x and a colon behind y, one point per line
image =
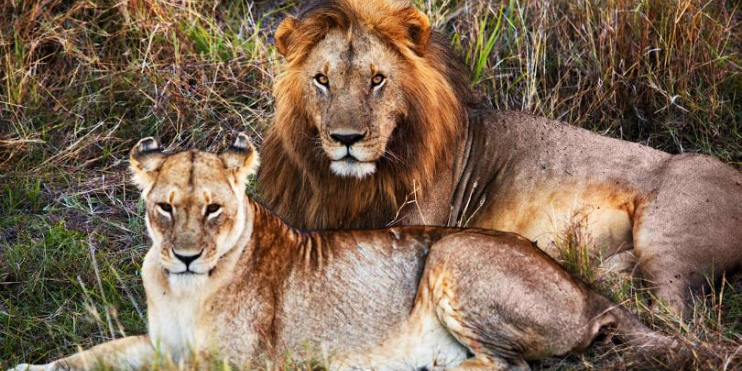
x: 187, y: 259
x: 348, y: 139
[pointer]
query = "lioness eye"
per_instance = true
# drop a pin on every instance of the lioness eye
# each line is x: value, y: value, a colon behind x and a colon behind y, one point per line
x: 322, y: 79
x: 165, y: 207
x: 165, y: 210
x: 377, y: 80
x: 212, y: 208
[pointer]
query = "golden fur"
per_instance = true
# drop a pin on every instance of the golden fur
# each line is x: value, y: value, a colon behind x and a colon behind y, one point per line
x: 385, y: 300
x: 435, y: 95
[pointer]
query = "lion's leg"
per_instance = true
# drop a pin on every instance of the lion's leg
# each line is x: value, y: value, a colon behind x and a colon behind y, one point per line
x: 505, y: 300
x: 669, y: 284
x: 688, y: 230
x: 493, y: 349
x: 666, y: 263
x: 130, y: 353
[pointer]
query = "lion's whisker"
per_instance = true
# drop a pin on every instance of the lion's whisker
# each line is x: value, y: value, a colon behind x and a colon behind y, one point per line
x: 391, y: 156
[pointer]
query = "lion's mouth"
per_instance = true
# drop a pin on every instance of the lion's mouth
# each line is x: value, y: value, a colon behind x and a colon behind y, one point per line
x: 186, y: 272
x: 350, y: 158
x: 350, y: 161
x: 189, y: 272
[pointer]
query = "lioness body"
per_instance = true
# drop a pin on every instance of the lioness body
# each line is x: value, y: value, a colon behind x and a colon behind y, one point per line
x: 387, y: 299
x: 424, y: 152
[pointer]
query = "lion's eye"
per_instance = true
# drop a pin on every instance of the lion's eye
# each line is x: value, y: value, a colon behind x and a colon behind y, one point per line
x: 165, y: 209
x: 322, y: 79
x: 212, y: 208
x: 377, y: 80
x: 212, y: 211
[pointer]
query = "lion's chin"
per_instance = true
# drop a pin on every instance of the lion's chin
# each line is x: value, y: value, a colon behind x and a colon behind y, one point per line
x: 183, y: 281
x: 351, y: 168
x: 187, y: 283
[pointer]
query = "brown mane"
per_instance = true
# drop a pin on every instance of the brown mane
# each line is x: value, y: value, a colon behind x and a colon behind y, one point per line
x: 295, y: 178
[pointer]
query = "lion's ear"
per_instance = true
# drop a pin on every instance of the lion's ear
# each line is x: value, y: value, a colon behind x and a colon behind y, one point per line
x: 241, y: 157
x: 145, y: 160
x: 283, y: 35
x: 418, y: 28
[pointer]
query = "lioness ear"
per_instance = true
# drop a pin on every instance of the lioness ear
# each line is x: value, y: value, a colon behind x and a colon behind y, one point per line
x: 145, y: 160
x: 418, y: 28
x: 241, y: 157
x: 283, y: 35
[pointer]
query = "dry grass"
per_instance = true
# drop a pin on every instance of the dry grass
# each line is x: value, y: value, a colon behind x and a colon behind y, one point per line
x: 82, y: 80
x: 663, y: 72
x: 710, y: 339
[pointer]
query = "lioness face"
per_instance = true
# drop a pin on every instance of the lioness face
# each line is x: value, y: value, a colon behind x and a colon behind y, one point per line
x: 354, y: 99
x: 195, y: 206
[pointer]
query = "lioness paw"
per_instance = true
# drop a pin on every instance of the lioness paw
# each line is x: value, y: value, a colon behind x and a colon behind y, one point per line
x: 27, y: 367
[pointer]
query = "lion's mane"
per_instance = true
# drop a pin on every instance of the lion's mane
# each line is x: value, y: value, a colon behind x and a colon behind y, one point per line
x: 295, y: 175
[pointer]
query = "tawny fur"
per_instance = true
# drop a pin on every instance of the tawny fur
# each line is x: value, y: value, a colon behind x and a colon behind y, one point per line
x: 387, y: 299
x: 435, y: 95
x: 442, y: 159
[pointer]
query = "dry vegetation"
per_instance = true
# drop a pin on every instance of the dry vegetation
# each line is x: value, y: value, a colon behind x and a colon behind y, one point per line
x: 82, y: 80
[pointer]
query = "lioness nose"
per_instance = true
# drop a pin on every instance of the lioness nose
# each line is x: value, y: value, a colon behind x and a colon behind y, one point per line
x: 347, y: 139
x: 187, y: 259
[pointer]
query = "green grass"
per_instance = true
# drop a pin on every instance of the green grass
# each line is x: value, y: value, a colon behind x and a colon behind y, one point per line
x: 82, y: 80
x: 64, y: 281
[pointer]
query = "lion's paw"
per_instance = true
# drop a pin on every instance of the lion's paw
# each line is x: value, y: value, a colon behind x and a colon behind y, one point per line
x: 27, y: 367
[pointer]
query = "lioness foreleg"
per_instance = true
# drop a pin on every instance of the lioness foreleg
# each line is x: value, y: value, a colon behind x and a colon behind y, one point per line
x: 129, y: 353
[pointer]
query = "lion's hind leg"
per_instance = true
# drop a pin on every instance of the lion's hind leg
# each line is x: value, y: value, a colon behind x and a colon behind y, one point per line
x: 689, y: 231
x: 506, y: 301
x: 491, y: 351
x: 494, y: 354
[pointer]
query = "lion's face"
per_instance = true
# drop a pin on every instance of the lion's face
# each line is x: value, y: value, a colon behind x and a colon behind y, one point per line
x: 195, y: 206
x: 354, y: 76
x: 391, y: 91
x: 352, y: 95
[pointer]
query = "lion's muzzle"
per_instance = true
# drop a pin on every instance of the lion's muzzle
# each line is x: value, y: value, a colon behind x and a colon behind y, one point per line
x: 187, y: 259
x: 349, y: 155
x: 348, y: 139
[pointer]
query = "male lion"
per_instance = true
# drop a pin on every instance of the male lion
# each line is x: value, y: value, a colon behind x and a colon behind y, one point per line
x: 225, y: 274
x: 376, y: 123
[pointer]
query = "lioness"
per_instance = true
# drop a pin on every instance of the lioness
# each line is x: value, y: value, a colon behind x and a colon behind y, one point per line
x: 376, y: 124
x: 225, y: 274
